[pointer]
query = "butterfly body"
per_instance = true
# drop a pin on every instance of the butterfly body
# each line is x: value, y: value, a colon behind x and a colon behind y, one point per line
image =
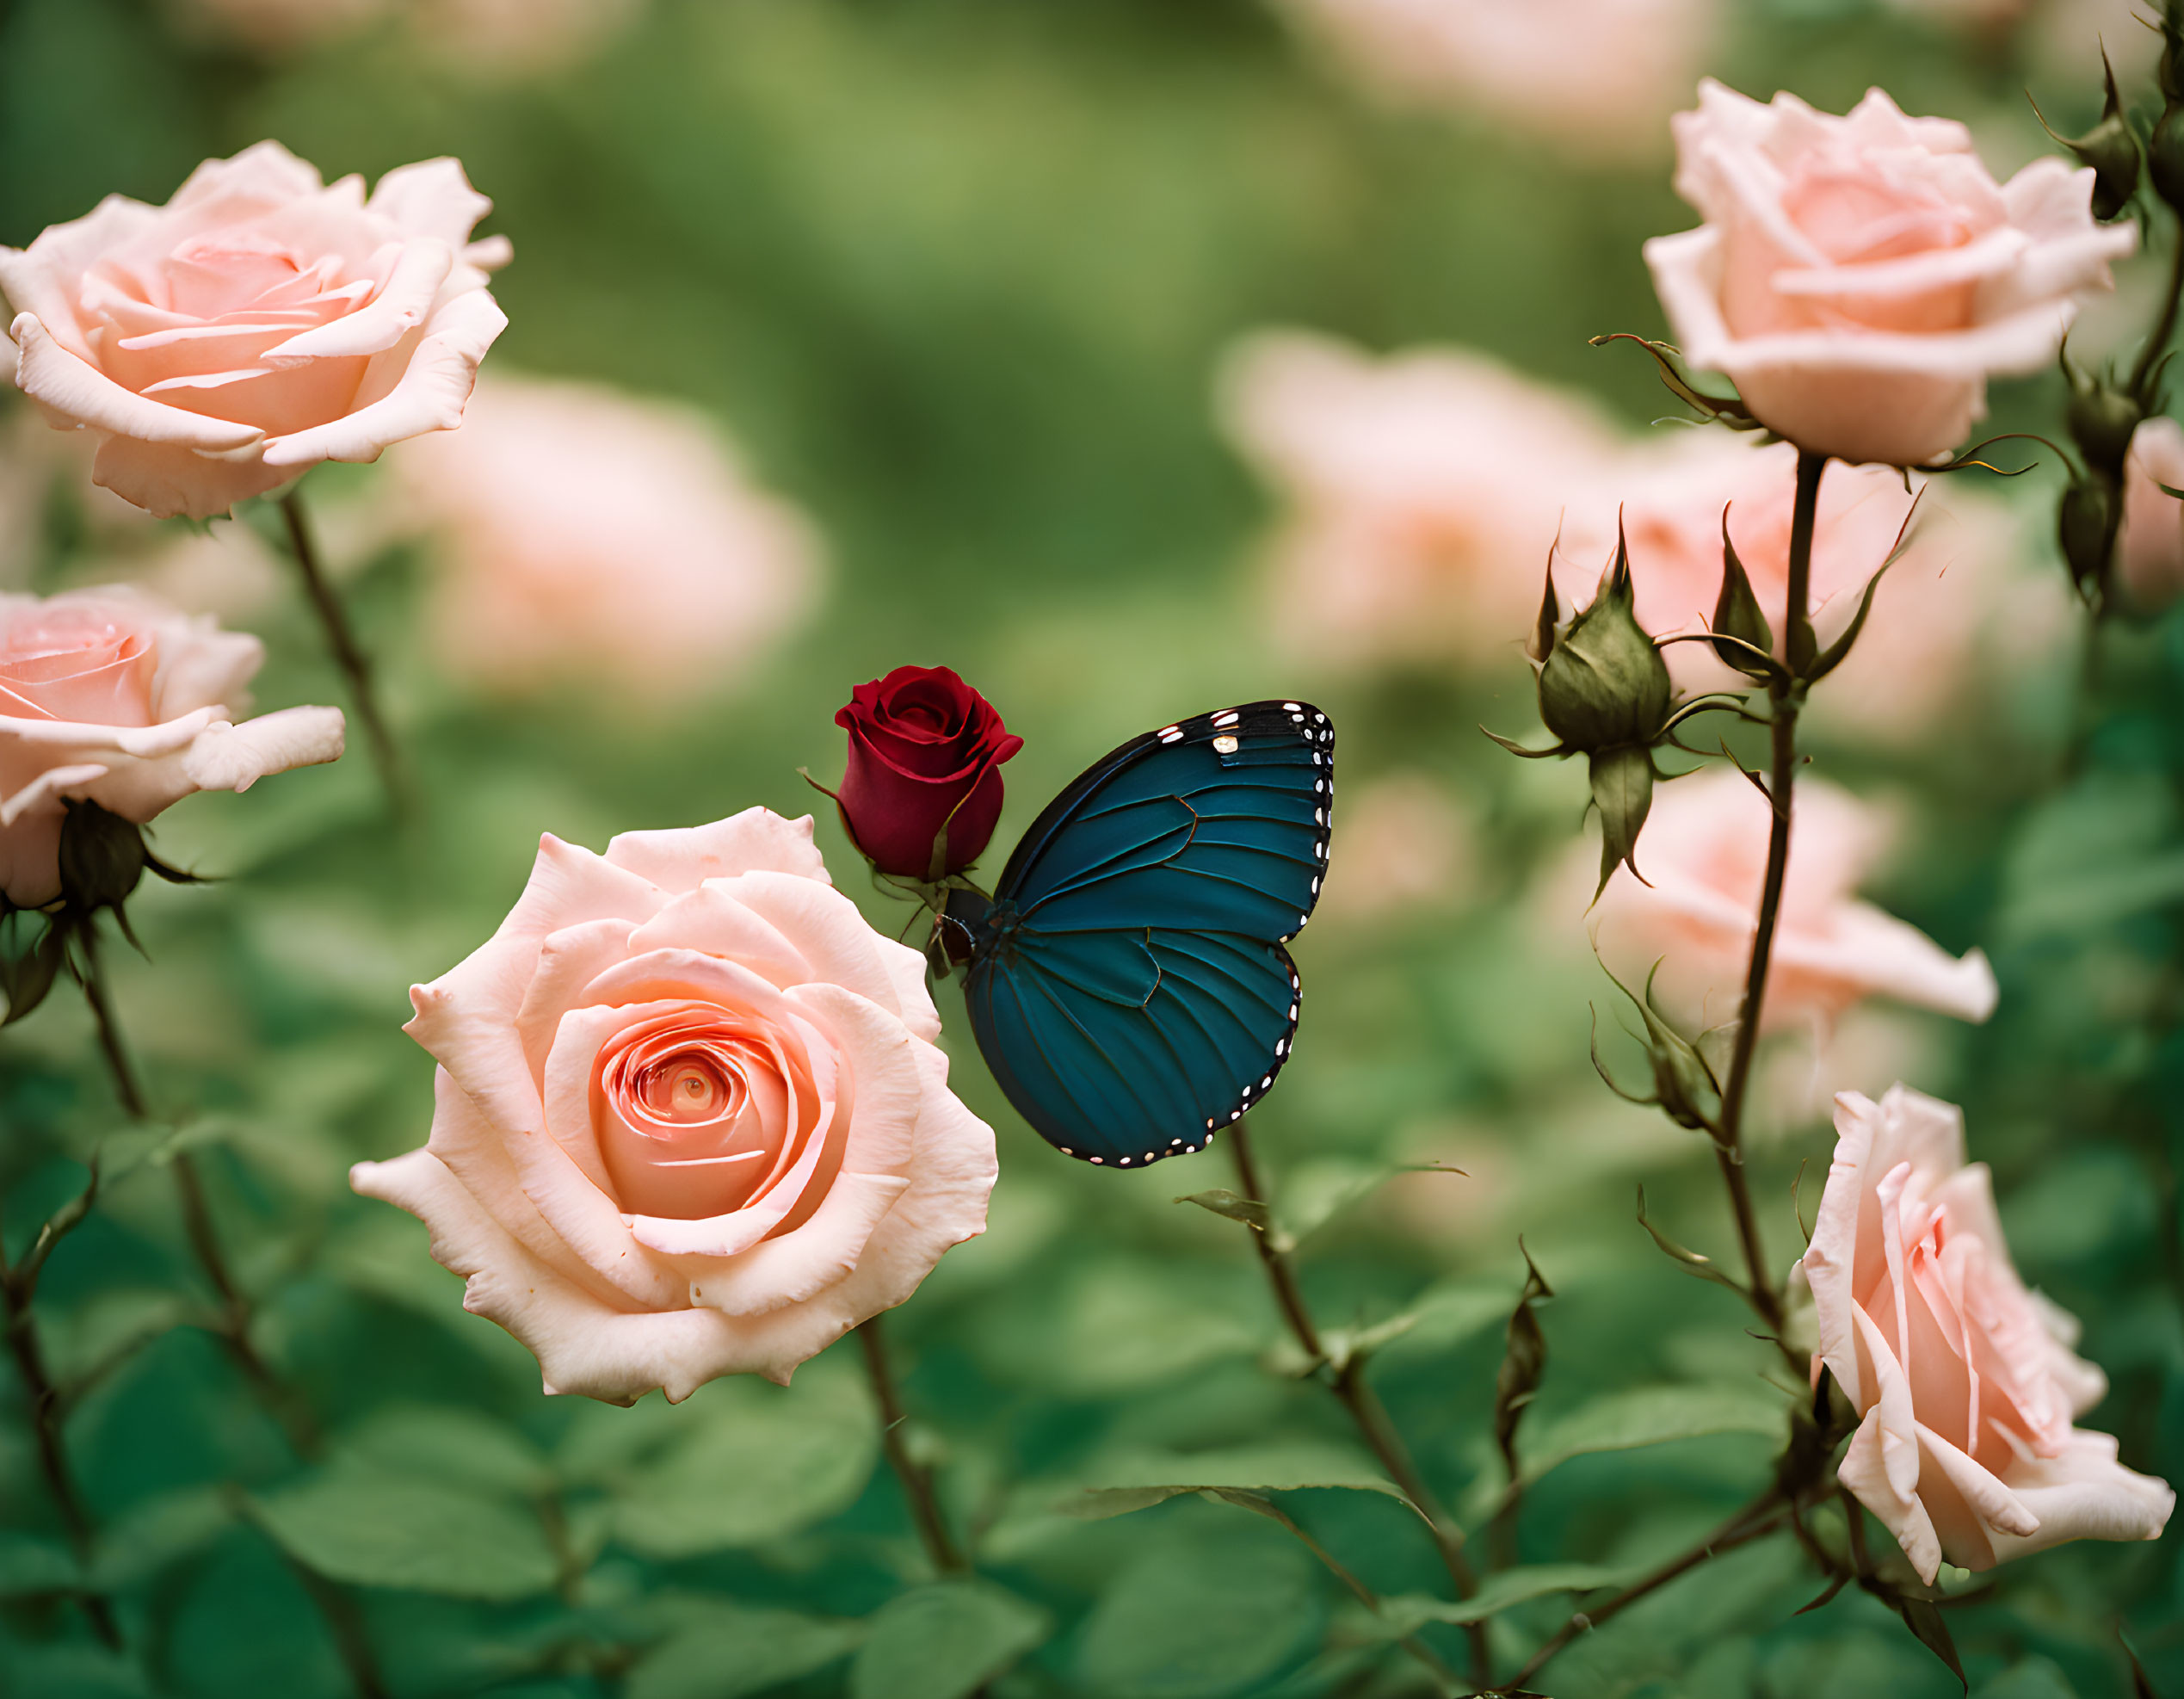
x: 1128, y: 984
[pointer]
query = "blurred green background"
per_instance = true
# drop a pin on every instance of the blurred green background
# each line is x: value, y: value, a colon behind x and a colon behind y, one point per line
x: 958, y: 275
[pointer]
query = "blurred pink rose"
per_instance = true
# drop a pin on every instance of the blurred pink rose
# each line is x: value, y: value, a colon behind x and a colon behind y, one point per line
x: 1705, y: 851
x: 2150, y: 548
x: 1423, y: 491
x: 257, y: 324
x: 276, y: 29
x: 1592, y: 78
x: 114, y: 696
x: 1951, y: 602
x: 1965, y: 1380
x: 690, y: 1118
x: 1408, y: 846
x: 1858, y: 278
x: 488, y: 37
x: 590, y: 535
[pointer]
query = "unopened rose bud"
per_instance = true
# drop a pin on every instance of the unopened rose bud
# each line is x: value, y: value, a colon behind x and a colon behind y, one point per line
x: 2101, y: 418
x: 2111, y: 148
x: 1738, y: 617
x: 923, y: 790
x: 2165, y: 158
x: 2085, y: 527
x: 1605, y: 683
x: 102, y: 857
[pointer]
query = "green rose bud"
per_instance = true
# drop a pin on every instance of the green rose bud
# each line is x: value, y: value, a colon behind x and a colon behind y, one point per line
x: 102, y: 857
x: 2101, y: 419
x: 2110, y: 147
x: 2165, y: 158
x: 2085, y: 525
x: 1604, y: 683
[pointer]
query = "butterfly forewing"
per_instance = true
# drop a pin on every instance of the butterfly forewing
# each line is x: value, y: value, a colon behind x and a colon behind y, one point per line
x: 1133, y: 995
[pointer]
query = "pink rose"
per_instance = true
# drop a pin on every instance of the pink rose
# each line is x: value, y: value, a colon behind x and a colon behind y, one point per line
x: 2150, y: 547
x: 1592, y: 78
x: 690, y: 1119
x: 1858, y: 278
x: 1705, y: 851
x: 601, y: 539
x: 1965, y: 1380
x: 1422, y: 492
x: 257, y: 324
x: 113, y: 696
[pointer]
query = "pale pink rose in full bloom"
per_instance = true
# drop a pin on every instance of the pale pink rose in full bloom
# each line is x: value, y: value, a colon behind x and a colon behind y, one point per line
x: 112, y: 696
x: 1950, y: 604
x: 1592, y: 78
x: 261, y: 322
x: 1859, y: 278
x: 691, y: 1120
x: 1422, y: 492
x: 2150, y: 547
x: 1704, y: 849
x: 589, y: 534
x: 1965, y: 1380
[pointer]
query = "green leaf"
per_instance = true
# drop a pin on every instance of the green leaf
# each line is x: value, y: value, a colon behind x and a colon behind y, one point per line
x: 943, y: 1643
x: 106, y: 1331
x: 446, y: 1442
x: 723, y: 1651
x: 77, y: 1671
x: 362, y: 1524
x: 755, y: 1462
x: 1198, y: 1622
x: 1138, y: 1483
x: 31, y: 1567
x: 1924, y: 1619
x: 1652, y: 1416
x: 1316, y: 1192
x: 1443, y: 1316
x: 1234, y: 1205
x: 148, y: 1537
x: 1498, y: 1593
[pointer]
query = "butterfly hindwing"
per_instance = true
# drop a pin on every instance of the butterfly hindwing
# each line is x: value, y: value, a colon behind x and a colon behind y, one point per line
x: 1128, y: 987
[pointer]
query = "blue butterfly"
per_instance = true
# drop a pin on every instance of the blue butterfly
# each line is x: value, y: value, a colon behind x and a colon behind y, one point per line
x: 1127, y: 982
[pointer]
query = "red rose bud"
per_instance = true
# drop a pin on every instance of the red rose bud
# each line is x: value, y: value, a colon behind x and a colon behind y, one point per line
x: 925, y: 755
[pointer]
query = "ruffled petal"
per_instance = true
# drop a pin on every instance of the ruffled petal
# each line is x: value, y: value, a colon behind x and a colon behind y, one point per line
x: 435, y: 383
x: 756, y: 840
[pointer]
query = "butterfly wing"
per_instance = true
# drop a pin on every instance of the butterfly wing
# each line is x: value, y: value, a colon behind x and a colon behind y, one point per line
x: 1129, y: 988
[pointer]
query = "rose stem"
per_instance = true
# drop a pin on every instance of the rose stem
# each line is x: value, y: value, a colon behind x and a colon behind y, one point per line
x: 355, y: 666
x: 197, y: 1220
x: 18, y: 1286
x: 343, y: 1618
x: 1753, y: 1522
x: 1787, y: 698
x: 916, y: 1479
x: 1357, y: 1396
x: 2164, y: 327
